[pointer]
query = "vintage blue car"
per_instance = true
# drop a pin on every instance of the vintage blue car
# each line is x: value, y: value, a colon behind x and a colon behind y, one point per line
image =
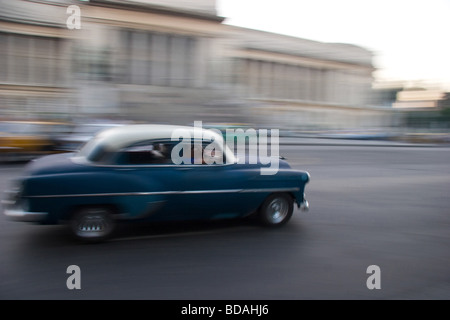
x: 146, y: 173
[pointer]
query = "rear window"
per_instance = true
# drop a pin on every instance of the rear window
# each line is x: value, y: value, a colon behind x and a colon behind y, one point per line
x: 147, y: 152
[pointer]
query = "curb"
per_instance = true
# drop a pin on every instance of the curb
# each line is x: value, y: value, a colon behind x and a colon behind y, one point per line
x: 347, y: 144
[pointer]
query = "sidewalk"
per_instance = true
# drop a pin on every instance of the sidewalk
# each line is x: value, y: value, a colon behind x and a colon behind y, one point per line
x: 317, y: 141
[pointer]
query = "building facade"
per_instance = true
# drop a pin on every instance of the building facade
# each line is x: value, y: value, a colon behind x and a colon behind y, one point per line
x: 175, y: 61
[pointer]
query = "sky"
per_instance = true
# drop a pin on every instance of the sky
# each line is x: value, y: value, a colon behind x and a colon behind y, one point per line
x: 410, y: 39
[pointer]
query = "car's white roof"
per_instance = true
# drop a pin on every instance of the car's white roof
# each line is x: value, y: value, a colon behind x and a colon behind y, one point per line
x: 122, y: 136
x: 117, y: 138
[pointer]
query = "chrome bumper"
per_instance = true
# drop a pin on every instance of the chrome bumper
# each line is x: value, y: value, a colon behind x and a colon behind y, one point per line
x: 15, y: 213
x: 304, y: 206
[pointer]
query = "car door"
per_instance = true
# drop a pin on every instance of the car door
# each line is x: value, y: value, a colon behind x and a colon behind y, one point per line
x: 186, y: 191
x: 214, y: 191
x: 155, y: 181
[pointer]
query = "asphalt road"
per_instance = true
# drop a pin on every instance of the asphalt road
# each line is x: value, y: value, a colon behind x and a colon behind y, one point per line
x: 383, y: 206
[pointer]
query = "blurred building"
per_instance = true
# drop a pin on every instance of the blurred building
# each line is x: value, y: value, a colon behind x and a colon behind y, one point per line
x: 384, y: 93
x: 298, y: 82
x: 175, y: 61
x: 419, y: 98
x: 34, y: 50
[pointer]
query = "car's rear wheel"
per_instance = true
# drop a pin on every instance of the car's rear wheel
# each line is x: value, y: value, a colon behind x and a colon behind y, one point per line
x: 92, y: 224
x: 276, y: 210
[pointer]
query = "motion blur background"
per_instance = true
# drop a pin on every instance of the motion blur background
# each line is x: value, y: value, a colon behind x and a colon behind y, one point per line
x: 382, y: 202
x: 176, y: 61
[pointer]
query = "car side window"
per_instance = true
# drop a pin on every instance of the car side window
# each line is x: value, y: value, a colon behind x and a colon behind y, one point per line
x: 145, y: 153
x: 160, y: 152
x: 198, y: 153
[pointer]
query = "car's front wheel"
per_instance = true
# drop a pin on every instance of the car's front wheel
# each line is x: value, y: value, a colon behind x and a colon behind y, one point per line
x: 276, y: 210
x: 92, y: 224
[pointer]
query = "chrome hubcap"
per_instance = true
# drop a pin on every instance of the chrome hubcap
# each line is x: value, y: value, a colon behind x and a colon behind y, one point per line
x: 93, y: 224
x: 278, y: 210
